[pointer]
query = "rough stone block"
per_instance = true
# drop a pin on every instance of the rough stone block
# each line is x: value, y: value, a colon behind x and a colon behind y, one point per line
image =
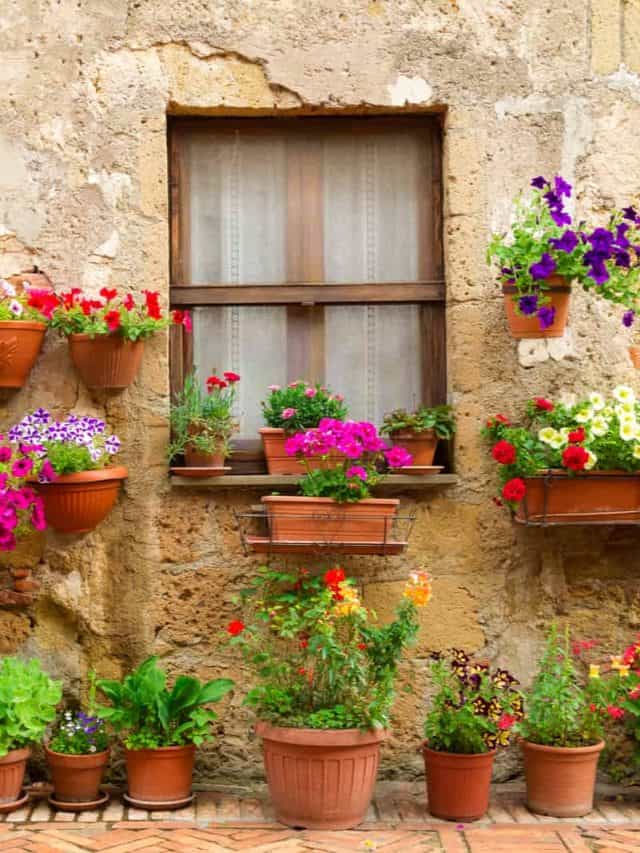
x: 605, y: 36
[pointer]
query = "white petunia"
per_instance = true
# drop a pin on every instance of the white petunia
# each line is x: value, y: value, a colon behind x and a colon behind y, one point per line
x: 608, y: 411
x: 16, y: 308
x: 547, y: 435
x: 599, y: 426
x: 628, y: 431
x: 636, y: 451
x: 597, y: 400
x: 558, y: 442
x: 591, y: 461
x: 624, y: 394
x: 625, y: 409
x: 584, y: 415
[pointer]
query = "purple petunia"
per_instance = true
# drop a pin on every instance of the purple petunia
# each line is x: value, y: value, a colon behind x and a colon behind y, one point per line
x: 566, y: 243
x: 545, y: 267
x: 630, y: 213
x: 539, y: 183
x: 628, y: 318
x: 546, y: 315
x: 562, y: 186
x: 112, y: 444
x: 528, y: 304
x: 598, y: 272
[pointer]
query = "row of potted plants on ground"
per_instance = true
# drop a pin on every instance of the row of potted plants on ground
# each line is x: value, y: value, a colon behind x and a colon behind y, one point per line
x: 325, y: 674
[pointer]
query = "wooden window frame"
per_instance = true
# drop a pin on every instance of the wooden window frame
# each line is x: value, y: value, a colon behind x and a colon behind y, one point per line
x: 305, y: 287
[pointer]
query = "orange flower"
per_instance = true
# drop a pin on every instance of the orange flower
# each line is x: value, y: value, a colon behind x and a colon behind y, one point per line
x: 418, y: 588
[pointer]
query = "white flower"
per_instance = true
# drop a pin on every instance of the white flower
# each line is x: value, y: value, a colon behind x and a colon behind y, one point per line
x: 548, y: 434
x: 591, y: 461
x: 625, y: 409
x: 558, y: 442
x: 9, y: 289
x: 597, y: 400
x: 15, y: 308
x: 608, y: 411
x: 624, y: 394
x: 584, y: 415
x: 92, y: 748
x: 599, y: 426
x: 628, y: 431
x: 636, y: 451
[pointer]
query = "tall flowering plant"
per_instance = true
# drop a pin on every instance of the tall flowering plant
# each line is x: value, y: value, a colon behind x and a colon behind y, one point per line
x: 544, y: 241
x: 363, y: 453
x: 301, y: 405
x: 25, y: 303
x: 203, y: 420
x: 21, y: 509
x: 320, y: 659
x: 595, y: 433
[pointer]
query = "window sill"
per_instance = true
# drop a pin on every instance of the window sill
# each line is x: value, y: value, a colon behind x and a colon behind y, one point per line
x: 270, y: 482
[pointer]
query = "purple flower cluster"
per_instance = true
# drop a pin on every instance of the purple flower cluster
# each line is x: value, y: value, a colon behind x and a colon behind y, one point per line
x: 356, y: 440
x: 553, y: 197
x: 21, y: 509
x: 607, y: 246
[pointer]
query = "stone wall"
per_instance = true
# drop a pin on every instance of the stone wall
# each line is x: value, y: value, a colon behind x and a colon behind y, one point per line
x: 527, y: 87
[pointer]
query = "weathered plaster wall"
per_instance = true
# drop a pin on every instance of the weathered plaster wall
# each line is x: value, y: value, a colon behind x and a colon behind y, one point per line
x: 529, y: 87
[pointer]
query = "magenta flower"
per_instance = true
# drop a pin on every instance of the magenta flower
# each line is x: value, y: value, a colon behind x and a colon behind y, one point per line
x: 22, y: 467
x: 357, y: 471
x: 47, y: 474
x: 5, y: 454
x: 287, y: 414
x: 38, y: 520
x: 310, y: 392
x: 397, y: 457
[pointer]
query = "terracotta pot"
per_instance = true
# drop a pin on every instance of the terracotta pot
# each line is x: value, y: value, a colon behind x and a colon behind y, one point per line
x: 194, y: 459
x: 12, y: 770
x: 76, y: 778
x: 634, y: 354
x: 522, y: 326
x: 323, y: 520
x: 560, y: 780
x: 320, y: 779
x: 106, y: 361
x: 161, y: 775
x: 34, y: 278
x: 458, y: 785
x: 20, y: 345
x: 421, y: 445
x: 278, y: 462
x: 592, y: 496
x: 76, y: 503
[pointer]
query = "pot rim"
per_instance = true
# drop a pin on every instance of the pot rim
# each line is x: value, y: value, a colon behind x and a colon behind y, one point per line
x: 186, y: 747
x: 14, y: 755
x: 468, y: 755
x: 112, y: 472
x: 562, y: 750
x: 24, y: 325
x: 557, y: 284
x: 326, y: 738
x: 561, y: 472
x: 77, y: 755
x: 329, y: 501
x: 84, y: 336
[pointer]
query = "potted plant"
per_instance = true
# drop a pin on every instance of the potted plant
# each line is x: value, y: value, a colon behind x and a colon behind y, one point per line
x: 24, y: 316
x: 106, y: 336
x: 543, y: 253
x: 325, y: 675
x: 562, y: 732
x: 297, y: 407
x: 472, y: 715
x: 28, y: 699
x: 202, y: 423
x: 161, y: 729
x: 418, y: 432
x: 335, y: 507
x: 77, y: 755
x: 570, y: 463
x: 77, y: 481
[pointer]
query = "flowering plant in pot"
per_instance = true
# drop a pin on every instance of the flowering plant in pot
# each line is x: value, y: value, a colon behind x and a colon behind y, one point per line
x: 28, y: 699
x: 326, y: 674
x: 570, y: 462
x: 335, y: 506
x: 106, y: 336
x: 24, y: 316
x: 418, y: 432
x: 472, y: 715
x: 161, y: 728
x: 295, y: 408
x: 77, y: 754
x: 76, y: 478
x: 202, y: 423
x: 544, y: 251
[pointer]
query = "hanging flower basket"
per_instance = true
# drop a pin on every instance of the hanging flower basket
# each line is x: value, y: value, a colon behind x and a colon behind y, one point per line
x: 77, y: 503
x: 108, y: 362
x: 24, y: 315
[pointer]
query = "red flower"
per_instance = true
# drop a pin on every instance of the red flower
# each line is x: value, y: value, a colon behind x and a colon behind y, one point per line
x: 630, y: 654
x: 577, y: 435
x: 231, y: 377
x: 215, y: 382
x: 153, y: 304
x: 514, y: 490
x: 543, y: 404
x: 112, y: 319
x: 43, y: 301
x: 70, y: 298
x: 506, y: 721
x: 129, y: 302
x: 236, y: 627
x: 575, y: 457
x: 304, y: 644
x: 592, y: 707
x: 497, y: 501
x: 504, y: 452
x: 108, y: 293
x: 580, y: 646
x: 362, y: 646
x: 635, y: 693
x: 183, y: 318
x: 302, y: 670
x: 615, y: 712
x: 87, y: 306
x: 500, y: 419
x: 334, y: 577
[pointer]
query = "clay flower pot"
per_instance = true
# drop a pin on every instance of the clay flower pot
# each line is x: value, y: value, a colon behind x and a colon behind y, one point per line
x: 560, y: 780
x: 195, y: 459
x: 421, y: 445
x: 76, y: 503
x: 12, y: 770
x: 522, y: 326
x: 458, y: 785
x: 161, y: 775
x: 278, y: 462
x: 106, y: 361
x: 76, y: 778
x: 634, y: 354
x: 34, y: 279
x: 320, y: 779
x: 20, y: 344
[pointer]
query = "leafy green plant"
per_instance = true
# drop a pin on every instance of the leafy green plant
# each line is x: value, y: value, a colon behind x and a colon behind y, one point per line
x: 148, y: 715
x: 319, y: 657
x: 301, y: 406
x: 80, y: 733
x: 474, y: 708
x: 28, y: 699
x: 440, y: 419
x: 203, y: 421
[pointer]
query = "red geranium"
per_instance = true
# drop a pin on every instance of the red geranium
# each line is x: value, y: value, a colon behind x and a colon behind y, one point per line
x: 504, y: 452
x: 575, y: 457
x: 514, y: 490
x: 183, y: 318
x: 108, y: 293
x: 333, y: 577
x: 543, y: 404
x: 129, y: 302
x: 112, y: 319
x: 215, y: 382
x: 236, y: 627
x: 506, y: 721
x: 615, y: 712
x: 500, y: 419
x: 577, y: 435
x: 152, y: 299
x: 70, y: 298
x: 231, y: 377
x: 43, y: 301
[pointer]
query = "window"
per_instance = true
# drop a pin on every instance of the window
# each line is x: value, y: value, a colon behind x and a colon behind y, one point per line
x: 310, y: 248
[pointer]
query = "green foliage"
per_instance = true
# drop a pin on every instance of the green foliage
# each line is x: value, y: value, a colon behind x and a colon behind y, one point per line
x: 440, y: 419
x: 334, y: 483
x: 202, y: 420
x: 148, y: 715
x: 309, y: 403
x: 28, y: 699
x: 474, y: 709
x: 67, y: 458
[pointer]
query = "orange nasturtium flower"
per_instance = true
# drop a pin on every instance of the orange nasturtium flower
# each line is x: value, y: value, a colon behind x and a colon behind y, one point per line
x: 418, y: 588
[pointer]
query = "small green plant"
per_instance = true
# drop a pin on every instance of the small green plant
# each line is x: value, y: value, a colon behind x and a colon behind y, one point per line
x: 80, y: 733
x: 474, y: 708
x: 203, y: 421
x: 301, y: 406
x: 28, y: 699
x: 148, y: 715
x: 440, y: 419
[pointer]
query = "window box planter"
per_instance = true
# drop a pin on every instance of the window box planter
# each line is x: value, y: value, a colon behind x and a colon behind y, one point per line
x: 279, y: 462
x: 77, y: 503
x: 320, y: 779
x: 76, y: 778
x: 106, y: 362
x: 160, y: 777
x: 20, y: 345
x: 560, y: 780
x: 522, y: 326
x: 458, y: 785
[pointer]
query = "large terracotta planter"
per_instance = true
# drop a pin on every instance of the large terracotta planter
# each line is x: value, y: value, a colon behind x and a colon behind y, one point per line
x: 107, y: 362
x: 76, y: 778
x: 560, y: 780
x: 522, y: 326
x: 603, y: 497
x: 12, y: 770
x: 320, y: 779
x: 20, y: 344
x: 421, y: 445
x: 76, y: 503
x: 161, y: 775
x: 458, y: 785
x: 325, y: 521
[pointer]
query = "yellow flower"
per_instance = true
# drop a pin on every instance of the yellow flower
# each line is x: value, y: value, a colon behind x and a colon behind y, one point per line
x: 616, y: 662
x: 623, y: 671
x: 636, y: 451
x: 350, y: 601
x: 594, y: 670
x: 418, y: 588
